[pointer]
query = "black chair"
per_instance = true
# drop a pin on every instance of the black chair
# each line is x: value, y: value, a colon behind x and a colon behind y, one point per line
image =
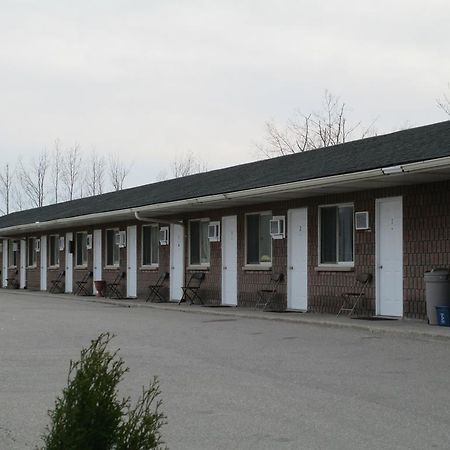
x: 190, y: 291
x: 153, y: 289
x: 351, y: 299
x: 267, y: 294
x: 57, y: 283
x: 113, y: 289
x: 12, y: 282
x: 82, y: 285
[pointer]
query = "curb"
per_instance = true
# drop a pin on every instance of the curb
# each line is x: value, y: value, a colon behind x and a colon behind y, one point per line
x: 401, y: 330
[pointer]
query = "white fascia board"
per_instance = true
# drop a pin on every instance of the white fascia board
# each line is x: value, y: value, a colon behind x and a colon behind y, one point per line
x: 210, y: 200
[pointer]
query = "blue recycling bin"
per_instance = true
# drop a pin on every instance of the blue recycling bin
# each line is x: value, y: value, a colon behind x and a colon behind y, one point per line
x: 443, y: 316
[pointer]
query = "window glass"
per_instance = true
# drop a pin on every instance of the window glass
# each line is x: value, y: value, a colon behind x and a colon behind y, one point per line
x: 81, y: 249
x: 199, y: 249
x: 259, y: 241
x: 54, y: 250
x: 12, y: 253
x: 112, y: 249
x: 31, y: 252
x: 150, y: 245
x: 336, y: 234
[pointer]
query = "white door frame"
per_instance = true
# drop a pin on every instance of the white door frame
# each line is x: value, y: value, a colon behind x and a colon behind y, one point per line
x: 97, y: 258
x: 229, y: 262
x: 5, y: 253
x: 132, y: 261
x: 176, y: 261
x: 297, y: 289
x: 43, y: 263
x: 23, y: 264
x: 68, y: 278
x: 378, y: 268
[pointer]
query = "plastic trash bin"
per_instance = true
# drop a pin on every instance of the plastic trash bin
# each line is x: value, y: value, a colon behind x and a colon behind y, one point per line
x: 443, y: 316
x: 437, y: 292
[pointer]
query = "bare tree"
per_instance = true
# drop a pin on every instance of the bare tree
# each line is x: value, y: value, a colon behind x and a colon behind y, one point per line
x: 303, y: 132
x: 95, y: 174
x: 118, y: 171
x: 33, y: 178
x: 71, y: 170
x: 444, y: 101
x: 187, y: 165
x: 57, y: 165
x: 6, y: 179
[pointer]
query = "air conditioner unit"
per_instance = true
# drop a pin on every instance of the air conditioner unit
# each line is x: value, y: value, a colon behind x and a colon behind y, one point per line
x: 278, y: 227
x: 89, y: 241
x: 61, y: 243
x: 214, y: 231
x: 164, y: 235
x: 121, y: 238
x: 362, y: 220
x: 37, y: 245
x: 15, y: 246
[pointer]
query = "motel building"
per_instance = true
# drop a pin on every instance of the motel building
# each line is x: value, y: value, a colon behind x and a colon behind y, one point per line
x: 380, y: 205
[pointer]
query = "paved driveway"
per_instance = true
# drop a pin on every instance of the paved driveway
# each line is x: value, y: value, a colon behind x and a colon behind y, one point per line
x: 231, y: 383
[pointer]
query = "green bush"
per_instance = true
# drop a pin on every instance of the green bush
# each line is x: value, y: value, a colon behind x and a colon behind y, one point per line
x: 90, y: 415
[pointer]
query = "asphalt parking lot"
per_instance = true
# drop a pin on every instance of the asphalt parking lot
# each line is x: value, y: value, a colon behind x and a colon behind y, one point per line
x: 231, y: 383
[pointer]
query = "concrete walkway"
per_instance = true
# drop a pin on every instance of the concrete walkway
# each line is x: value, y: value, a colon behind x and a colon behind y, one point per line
x: 402, y: 327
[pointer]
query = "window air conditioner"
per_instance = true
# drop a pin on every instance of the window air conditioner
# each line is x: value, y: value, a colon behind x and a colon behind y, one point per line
x: 61, y: 243
x: 362, y: 220
x: 214, y: 231
x: 277, y: 227
x: 89, y: 241
x: 164, y: 235
x: 37, y: 245
x: 121, y: 238
x: 15, y: 246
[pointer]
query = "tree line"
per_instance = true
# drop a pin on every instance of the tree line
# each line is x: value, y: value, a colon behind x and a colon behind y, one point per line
x: 64, y: 173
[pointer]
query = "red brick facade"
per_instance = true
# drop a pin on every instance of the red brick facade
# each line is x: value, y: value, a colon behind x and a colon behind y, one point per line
x: 426, y: 244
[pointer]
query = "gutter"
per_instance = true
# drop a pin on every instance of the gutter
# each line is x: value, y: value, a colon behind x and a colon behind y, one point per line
x: 155, y: 220
x: 420, y: 166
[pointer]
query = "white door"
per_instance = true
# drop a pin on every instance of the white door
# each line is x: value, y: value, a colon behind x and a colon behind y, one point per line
x: 43, y: 263
x: 297, y: 248
x: 131, y: 261
x: 229, y: 260
x: 97, y: 257
x: 5, y: 263
x: 68, y: 282
x: 176, y: 261
x: 389, y: 257
x: 23, y: 264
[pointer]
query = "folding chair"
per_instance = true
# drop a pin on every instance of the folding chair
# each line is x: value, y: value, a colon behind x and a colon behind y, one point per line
x: 351, y: 299
x: 57, y: 283
x: 81, y: 288
x: 113, y: 289
x: 12, y: 282
x: 267, y: 294
x: 153, y: 289
x: 190, y: 291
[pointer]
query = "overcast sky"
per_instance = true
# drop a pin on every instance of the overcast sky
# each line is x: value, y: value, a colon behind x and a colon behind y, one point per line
x: 154, y: 79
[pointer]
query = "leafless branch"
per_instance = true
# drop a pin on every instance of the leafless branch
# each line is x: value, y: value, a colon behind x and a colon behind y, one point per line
x: 33, y: 178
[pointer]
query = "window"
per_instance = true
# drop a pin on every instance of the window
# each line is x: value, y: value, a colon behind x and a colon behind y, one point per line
x: 53, y: 250
x: 258, y: 239
x: 31, y: 252
x: 13, y: 247
x: 81, y: 249
x: 150, y: 245
x: 336, y: 234
x: 112, y: 248
x: 198, y: 242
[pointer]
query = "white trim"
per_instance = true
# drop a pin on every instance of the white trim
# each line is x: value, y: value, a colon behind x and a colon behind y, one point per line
x: 261, y: 263
x: 200, y: 265
x: 329, y: 265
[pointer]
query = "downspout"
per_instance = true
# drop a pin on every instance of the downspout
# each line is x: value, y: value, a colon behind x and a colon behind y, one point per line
x: 150, y: 220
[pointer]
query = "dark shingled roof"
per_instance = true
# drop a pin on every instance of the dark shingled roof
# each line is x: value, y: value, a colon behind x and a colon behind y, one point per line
x: 411, y: 145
